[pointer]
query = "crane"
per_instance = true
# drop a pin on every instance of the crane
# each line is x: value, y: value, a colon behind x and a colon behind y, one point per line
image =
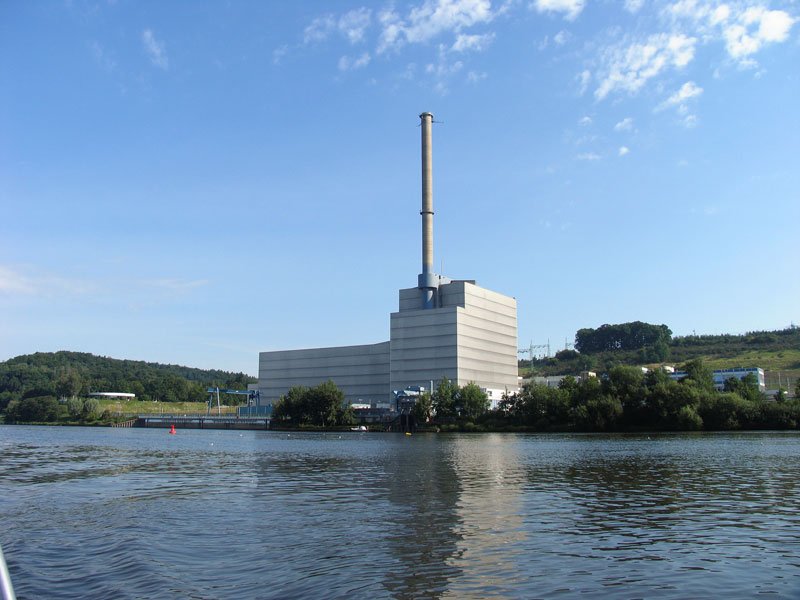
x: 212, y: 391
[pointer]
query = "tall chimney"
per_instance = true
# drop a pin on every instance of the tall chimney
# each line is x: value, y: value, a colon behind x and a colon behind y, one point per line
x: 428, y: 282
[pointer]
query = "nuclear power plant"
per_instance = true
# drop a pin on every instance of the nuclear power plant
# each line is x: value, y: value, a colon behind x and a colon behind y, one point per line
x: 443, y: 328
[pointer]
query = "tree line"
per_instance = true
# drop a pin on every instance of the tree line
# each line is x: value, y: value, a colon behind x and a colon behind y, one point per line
x: 624, y: 337
x: 626, y: 399
x: 75, y: 374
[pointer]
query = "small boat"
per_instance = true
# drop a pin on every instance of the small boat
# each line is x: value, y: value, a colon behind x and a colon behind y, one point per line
x: 359, y: 428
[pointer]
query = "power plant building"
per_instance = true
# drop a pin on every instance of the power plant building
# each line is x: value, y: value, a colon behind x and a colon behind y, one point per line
x: 442, y: 328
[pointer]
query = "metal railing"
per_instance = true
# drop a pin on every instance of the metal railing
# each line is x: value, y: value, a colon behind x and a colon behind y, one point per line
x: 6, y: 589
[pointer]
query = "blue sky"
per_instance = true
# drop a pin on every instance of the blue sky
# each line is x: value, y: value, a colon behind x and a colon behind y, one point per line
x: 193, y: 183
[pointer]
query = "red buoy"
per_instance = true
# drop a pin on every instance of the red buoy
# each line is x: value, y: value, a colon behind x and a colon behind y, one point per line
x: 172, y: 430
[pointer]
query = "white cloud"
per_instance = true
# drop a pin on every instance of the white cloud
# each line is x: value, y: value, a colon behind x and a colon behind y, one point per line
x: 353, y: 24
x: 628, y: 68
x: 633, y: 6
x: 155, y: 50
x: 744, y: 27
x: 584, y: 78
x: 561, y: 38
x: 625, y: 125
x: 570, y: 8
x: 102, y: 57
x: 279, y: 53
x: 688, y: 90
x: 584, y: 121
x: 588, y: 156
x: 430, y: 19
x: 12, y: 282
x: 474, y: 77
x: 679, y: 99
x: 347, y: 63
x: 319, y: 29
x: 478, y: 43
x: 755, y: 27
x: 623, y: 150
x: 175, y: 285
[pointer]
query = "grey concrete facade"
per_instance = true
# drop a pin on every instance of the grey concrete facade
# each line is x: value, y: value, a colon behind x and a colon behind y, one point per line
x: 470, y: 337
x: 361, y: 372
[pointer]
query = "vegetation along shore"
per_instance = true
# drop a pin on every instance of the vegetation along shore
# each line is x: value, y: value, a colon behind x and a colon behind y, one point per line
x: 631, y: 392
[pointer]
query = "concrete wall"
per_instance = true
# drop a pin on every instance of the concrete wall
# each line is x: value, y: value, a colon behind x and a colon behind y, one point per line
x: 361, y: 372
x: 471, y: 338
x: 423, y: 347
x: 487, y: 337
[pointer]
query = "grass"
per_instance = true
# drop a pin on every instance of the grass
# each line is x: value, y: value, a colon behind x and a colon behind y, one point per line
x: 137, y: 407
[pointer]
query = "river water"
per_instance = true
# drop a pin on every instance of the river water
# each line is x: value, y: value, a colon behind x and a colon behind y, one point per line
x: 139, y: 513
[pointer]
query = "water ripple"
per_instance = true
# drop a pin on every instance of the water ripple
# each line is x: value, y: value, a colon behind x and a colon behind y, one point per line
x: 102, y: 513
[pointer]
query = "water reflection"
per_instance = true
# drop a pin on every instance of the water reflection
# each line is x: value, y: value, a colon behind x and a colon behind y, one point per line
x: 127, y: 513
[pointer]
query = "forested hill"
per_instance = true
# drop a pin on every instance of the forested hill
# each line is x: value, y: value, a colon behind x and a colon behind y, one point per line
x: 79, y: 373
x: 607, y: 346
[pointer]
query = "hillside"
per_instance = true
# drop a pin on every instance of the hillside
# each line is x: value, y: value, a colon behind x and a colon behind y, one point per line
x: 774, y: 351
x: 77, y: 373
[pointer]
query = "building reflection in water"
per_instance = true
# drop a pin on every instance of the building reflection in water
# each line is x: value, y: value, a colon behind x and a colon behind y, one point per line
x: 455, y: 518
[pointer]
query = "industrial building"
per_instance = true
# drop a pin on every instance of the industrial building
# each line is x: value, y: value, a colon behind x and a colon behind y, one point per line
x: 443, y: 328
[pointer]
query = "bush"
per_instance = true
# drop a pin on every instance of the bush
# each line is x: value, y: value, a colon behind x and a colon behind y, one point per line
x: 40, y: 409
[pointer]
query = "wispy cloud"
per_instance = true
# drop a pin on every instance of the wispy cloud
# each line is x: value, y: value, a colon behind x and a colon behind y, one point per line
x: 623, y: 150
x: 633, y: 6
x: 175, y: 285
x: 466, y: 42
x: 347, y: 63
x: 570, y: 8
x: 475, y: 77
x: 628, y: 67
x: 102, y: 57
x: 744, y: 27
x: 687, y: 91
x: 584, y: 79
x: 625, y: 125
x: 429, y: 20
x: 353, y: 24
x: 279, y: 54
x: 13, y: 283
x: 155, y: 50
x: 588, y: 156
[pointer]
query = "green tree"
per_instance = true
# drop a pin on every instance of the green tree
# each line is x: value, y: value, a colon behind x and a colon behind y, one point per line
x: 746, y: 387
x: 423, y: 408
x: 68, y: 384
x: 697, y: 371
x: 38, y: 409
x: 293, y: 406
x: 599, y: 413
x: 325, y: 403
x: 627, y: 385
x: 75, y: 407
x: 473, y: 401
x: 91, y: 408
x: 444, y: 398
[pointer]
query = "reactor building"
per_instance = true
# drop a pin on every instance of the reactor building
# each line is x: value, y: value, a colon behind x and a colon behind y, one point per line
x: 443, y: 328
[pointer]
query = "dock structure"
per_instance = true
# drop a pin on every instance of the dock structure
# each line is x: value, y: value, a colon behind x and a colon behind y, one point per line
x: 202, y: 422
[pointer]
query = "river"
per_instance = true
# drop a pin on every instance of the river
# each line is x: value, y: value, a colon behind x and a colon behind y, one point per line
x: 139, y: 513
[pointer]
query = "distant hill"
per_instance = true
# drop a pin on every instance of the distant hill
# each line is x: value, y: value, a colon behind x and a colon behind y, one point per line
x: 775, y: 351
x: 78, y: 373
